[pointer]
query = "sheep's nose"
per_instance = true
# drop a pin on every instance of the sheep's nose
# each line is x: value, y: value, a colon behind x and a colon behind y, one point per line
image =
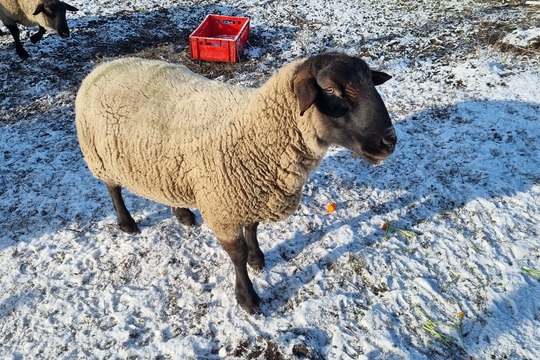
x: 62, y: 31
x: 389, y: 140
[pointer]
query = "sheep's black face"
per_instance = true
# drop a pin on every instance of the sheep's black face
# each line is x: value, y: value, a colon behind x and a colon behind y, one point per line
x: 54, y: 13
x: 342, y: 88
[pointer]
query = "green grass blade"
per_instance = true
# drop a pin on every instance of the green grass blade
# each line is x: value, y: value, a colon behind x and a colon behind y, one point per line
x: 531, y: 272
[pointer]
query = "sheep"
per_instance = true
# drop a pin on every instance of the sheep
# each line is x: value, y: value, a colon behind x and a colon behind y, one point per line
x: 43, y: 13
x: 240, y: 155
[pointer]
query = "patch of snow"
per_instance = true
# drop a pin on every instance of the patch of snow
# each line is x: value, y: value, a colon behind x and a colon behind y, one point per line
x: 523, y: 38
x: 465, y: 180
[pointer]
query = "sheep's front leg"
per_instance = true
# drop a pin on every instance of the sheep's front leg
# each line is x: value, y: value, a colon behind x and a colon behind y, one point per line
x: 125, y: 221
x: 14, y: 30
x: 38, y: 35
x: 246, y: 296
x: 255, y: 255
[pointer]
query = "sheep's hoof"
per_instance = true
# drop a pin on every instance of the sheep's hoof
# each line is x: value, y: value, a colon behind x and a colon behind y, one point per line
x: 249, y: 302
x: 256, y: 261
x: 185, y: 216
x: 22, y: 53
x: 36, y: 37
x: 130, y: 227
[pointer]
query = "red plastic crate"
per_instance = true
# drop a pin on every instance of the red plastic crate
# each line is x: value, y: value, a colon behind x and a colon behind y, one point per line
x: 219, y: 38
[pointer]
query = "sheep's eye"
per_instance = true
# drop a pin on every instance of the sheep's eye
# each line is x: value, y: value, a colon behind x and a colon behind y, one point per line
x: 329, y: 90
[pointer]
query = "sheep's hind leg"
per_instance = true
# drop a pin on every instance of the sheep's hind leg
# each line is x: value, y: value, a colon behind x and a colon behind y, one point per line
x: 125, y: 221
x: 246, y: 296
x: 185, y: 216
x: 255, y: 255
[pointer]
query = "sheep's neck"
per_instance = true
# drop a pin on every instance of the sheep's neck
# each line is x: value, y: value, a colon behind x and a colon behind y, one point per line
x: 274, y: 148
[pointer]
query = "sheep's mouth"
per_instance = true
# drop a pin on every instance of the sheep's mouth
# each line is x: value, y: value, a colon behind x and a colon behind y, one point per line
x: 374, y: 159
x: 376, y: 153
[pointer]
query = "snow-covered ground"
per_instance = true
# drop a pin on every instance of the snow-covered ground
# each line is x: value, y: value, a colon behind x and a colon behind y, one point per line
x: 465, y: 182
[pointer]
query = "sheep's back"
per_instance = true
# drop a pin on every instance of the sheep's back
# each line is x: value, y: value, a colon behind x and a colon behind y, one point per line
x: 13, y: 12
x: 145, y: 125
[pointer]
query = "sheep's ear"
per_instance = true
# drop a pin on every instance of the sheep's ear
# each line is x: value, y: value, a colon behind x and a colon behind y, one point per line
x: 305, y: 89
x: 69, y: 7
x: 379, y: 77
x: 39, y: 9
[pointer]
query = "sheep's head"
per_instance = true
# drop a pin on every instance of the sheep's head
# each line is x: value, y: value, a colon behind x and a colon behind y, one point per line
x: 352, y: 113
x: 54, y: 14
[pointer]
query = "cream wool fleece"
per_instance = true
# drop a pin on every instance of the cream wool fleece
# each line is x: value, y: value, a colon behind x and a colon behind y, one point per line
x: 13, y: 12
x: 237, y: 154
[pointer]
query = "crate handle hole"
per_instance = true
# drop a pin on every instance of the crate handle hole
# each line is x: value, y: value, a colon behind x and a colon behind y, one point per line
x: 213, y: 43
